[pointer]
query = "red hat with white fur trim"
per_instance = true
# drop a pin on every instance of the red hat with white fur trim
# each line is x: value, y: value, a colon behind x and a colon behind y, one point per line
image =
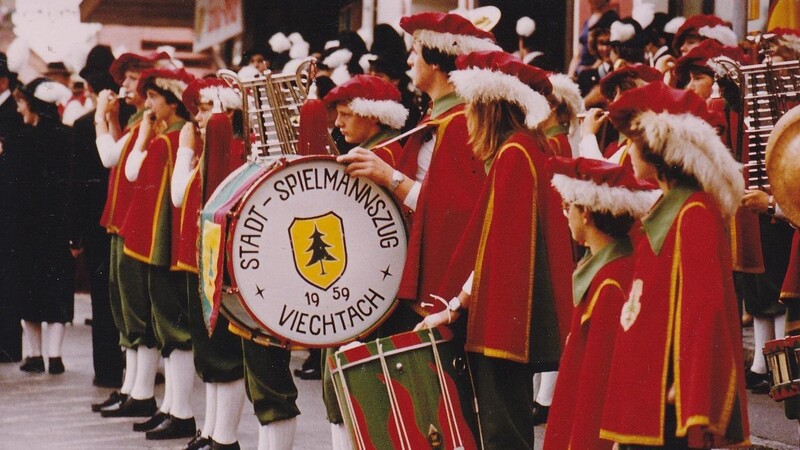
x: 707, y: 26
x: 138, y: 63
x: 174, y: 81
x: 602, y: 186
x: 609, y: 83
x: 678, y: 125
x: 788, y: 37
x: 206, y: 90
x: 449, y: 33
x: 701, y: 57
x: 493, y: 76
x: 565, y: 90
x: 371, y: 96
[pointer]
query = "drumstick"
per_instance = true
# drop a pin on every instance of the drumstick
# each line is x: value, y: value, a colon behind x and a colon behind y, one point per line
x: 401, y: 136
x: 583, y: 114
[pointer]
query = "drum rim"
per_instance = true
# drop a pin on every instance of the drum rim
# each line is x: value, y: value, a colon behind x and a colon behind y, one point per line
x: 234, y: 215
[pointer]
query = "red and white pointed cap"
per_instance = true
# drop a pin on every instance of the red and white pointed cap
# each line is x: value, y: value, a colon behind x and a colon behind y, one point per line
x: 706, y: 26
x: 602, y: 186
x: 493, y: 76
x: 174, y: 81
x: 207, y: 90
x: 702, y: 57
x: 678, y: 125
x: 609, y: 83
x: 139, y: 63
x: 371, y: 96
x: 788, y: 37
x: 449, y: 33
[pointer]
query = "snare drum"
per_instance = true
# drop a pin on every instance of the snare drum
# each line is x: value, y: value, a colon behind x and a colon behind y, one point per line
x: 407, y: 391
x: 311, y: 256
x: 783, y: 360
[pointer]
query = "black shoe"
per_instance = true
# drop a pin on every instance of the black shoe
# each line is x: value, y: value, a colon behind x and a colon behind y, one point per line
x: 132, y: 407
x: 217, y: 446
x: 173, y: 428
x: 151, y: 423
x: 540, y: 413
x: 199, y: 442
x: 55, y: 366
x: 753, y: 379
x: 308, y: 374
x: 116, y: 398
x: 33, y: 364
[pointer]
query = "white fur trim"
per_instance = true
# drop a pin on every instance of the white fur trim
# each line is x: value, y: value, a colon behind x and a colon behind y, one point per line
x: 454, y: 44
x: 279, y: 43
x: 674, y: 25
x: 226, y: 95
x: 622, y: 32
x: 789, y: 40
x: 172, y: 85
x: 488, y: 86
x: 340, y: 75
x: 365, y: 60
x: 18, y: 54
x: 299, y: 50
x: 52, y: 92
x: 248, y: 73
x: 719, y: 69
x: 332, y: 44
x: 603, y: 198
x: 292, y: 65
x: 693, y: 144
x: 387, y: 112
x: 296, y: 38
x: 643, y: 12
x: 721, y: 34
x: 565, y: 90
x: 338, y: 58
x: 525, y: 26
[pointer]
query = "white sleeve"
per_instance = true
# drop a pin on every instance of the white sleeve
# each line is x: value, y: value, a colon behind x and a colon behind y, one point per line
x: 181, y: 175
x: 468, y: 285
x: 779, y: 212
x: 134, y: 164
x: 110, y: 150
x: 589, y: 148
x: 413, y: 196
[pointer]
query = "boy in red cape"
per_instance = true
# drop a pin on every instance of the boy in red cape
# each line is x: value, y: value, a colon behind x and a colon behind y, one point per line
x: 601, y: 200
x: 676, y: 376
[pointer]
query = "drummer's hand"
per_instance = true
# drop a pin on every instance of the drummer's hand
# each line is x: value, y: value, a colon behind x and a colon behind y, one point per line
x: 756, y: 201
x: 364, y: 163
x: 187, y: 136
x: 435, y: 319
x: 594, y: 119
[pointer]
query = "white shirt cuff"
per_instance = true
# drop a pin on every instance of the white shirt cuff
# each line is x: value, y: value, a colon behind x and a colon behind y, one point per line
x: 413, y: 196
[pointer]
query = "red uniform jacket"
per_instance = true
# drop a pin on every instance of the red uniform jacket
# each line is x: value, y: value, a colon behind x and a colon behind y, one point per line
x: 791, y: 283
x: 148, y: 228
x: 119, y: 188
x: 222, y: 155
x: 517, y: 243
x: 446, y: 200
x: 682, y: 328
x: 600, y: 286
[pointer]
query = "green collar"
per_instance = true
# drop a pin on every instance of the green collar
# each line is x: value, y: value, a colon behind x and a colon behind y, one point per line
x: 658, y: 222
x: 622, y: 138
x: 555, y: 130
x: 175, y: 126
x: 381, y: 136
x: 591, y: 264
x: 135, y: 118
x: 443, y: 104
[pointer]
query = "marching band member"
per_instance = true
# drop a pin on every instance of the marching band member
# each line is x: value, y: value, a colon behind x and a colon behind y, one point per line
x: 127, y: 276
x: 217, y: 359
x: 514, y: 245
x: 601, y: 202
x: 699, y: 28
x: 676, y: 377
x: 369, y: 112
x: 153, y: 238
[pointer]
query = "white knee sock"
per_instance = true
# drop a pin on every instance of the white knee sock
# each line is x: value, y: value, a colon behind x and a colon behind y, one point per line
x: 340, y: 438
x: 55, y: 339
x: 763, y: 331
x: 277, y: 435
x: 146, y: 366
x: 166, y: 403
x: 211, y: 410
x: 547, y: 386
x: 183, y: 375
x: 780, y: 326
x: 230, y: 401
x: 33, y: 337
x: 130, y: 371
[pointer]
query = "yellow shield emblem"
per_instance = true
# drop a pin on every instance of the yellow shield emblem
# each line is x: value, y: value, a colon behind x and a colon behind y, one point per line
x: 212, y: 235
x: 318, y: 247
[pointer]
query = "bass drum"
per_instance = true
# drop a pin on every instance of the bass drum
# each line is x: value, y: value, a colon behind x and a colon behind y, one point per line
x: 314, y: 257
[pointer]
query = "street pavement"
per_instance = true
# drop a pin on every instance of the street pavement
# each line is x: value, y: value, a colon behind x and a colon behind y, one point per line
x: 52, y: 411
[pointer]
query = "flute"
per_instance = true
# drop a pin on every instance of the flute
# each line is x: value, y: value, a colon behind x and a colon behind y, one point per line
x: 583, y: 115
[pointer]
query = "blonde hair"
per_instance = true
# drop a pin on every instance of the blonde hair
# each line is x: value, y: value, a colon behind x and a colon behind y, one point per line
x: 490, y: 123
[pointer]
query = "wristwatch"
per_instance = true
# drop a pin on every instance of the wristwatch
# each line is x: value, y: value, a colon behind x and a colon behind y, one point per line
x: 771, y: 206
x: 397, y: 178
x: 454, y: 304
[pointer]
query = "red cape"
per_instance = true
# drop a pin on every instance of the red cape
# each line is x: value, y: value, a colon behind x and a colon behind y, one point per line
x: 119, y: 188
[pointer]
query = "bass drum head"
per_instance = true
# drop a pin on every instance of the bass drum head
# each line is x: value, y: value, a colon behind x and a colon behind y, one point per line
x: 316, y: 256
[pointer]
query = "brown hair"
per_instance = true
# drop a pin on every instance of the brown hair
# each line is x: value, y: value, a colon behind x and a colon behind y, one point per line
x: 491, y: 123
